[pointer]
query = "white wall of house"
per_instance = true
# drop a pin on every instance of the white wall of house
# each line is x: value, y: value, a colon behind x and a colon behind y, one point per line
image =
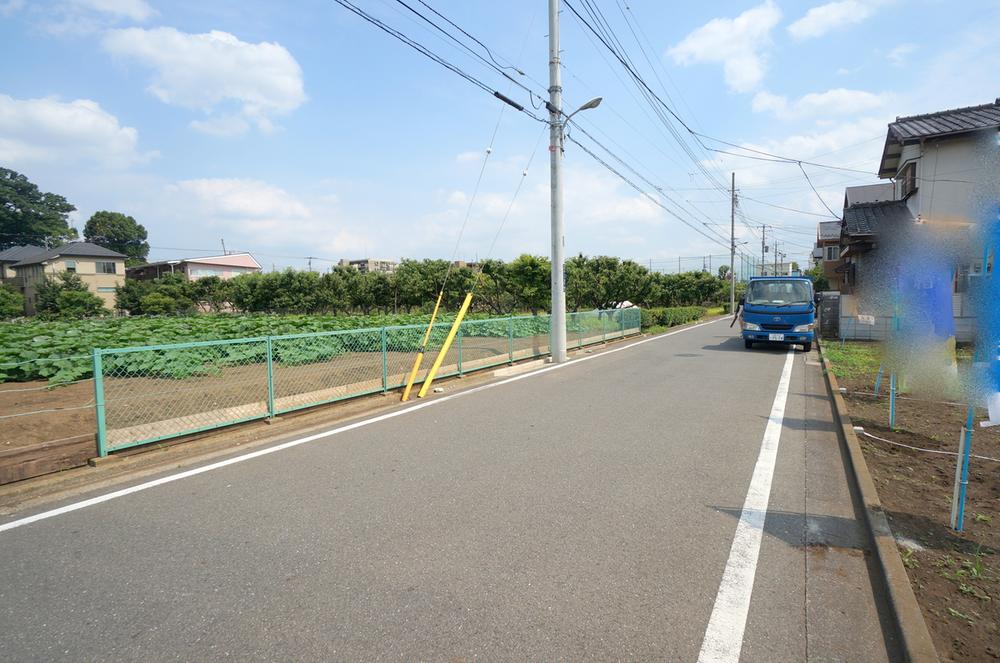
x: 945, y: 159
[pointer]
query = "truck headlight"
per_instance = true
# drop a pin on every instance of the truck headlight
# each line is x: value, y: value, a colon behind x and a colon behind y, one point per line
x: 749, y: 326
x: 805, y: 328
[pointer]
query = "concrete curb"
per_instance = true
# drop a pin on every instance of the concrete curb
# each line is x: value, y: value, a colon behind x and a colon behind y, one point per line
x: 915, y: 640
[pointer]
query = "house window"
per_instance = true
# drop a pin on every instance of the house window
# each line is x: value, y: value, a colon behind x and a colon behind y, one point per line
x: 908, y: 180
x: 831, y: 252
x: 105, y: 267
x: 70, y: 265
x: 105, y: 288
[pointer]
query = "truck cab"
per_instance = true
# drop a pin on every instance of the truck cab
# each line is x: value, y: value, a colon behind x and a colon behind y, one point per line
x: 778, y: 309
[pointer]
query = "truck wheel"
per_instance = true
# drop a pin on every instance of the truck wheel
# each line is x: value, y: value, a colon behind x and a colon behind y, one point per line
x: 747, y: 343
x: 806, y: 347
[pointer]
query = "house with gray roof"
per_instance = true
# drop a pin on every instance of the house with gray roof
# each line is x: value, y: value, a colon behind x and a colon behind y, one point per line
x: 101, y: 269
x: 935, y: 160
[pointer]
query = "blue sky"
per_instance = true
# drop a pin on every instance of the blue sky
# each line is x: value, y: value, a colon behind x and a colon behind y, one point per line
x: 296, y: 129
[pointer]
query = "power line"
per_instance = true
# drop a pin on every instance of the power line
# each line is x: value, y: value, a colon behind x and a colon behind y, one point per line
x: 428, y: 53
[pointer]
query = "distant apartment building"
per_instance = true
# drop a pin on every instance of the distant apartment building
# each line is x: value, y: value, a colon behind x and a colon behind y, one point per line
x: 225, y: 267
x: 101, y: 270
x: 371, y: 265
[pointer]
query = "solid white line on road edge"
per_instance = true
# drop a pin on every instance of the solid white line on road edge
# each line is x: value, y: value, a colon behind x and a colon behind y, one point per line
x: 311, y: 438
x: 724, y: 635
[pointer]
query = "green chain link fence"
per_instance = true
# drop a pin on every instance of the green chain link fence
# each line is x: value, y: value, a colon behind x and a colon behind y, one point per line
x: 152, y: 393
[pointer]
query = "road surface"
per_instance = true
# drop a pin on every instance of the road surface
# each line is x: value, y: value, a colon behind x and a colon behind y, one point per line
x: 608, y: 509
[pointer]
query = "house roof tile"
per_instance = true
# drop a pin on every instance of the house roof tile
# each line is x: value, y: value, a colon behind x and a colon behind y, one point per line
x: 74, y: 249
x: 956, y: 120
x: 19, y: 253
x: 870, y: 218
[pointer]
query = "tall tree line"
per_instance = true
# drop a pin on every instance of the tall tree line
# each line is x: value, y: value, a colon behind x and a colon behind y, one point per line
x: 502, y: 288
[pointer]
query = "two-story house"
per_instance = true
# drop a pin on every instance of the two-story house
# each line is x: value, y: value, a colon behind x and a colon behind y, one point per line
x: 101, y: 269
x: 10, y: 257
x: 934, y: 163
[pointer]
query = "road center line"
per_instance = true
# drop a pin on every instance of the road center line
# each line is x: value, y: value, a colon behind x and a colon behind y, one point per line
x: 724, y: 635
x: 74, y: 506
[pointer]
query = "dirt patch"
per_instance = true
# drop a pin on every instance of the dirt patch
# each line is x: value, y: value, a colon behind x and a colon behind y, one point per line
x: 955, y: 575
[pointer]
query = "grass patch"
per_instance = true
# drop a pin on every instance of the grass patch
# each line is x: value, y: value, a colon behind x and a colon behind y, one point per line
x: 853, y: 359
x: 716, y: 310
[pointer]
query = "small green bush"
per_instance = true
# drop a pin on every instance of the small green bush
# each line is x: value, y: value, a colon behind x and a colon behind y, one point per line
x: 671, y: 315
x: 11, y: 303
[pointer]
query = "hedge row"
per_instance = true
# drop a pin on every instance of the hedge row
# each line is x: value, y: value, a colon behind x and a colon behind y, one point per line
x: 670, y: 316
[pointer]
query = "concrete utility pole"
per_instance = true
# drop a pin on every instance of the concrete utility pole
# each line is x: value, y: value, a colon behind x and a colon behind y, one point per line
x: 732, y: 249
x: 763, y: 248
x: 556, y: 124
x: 558, y: 318
x: 775, y: 257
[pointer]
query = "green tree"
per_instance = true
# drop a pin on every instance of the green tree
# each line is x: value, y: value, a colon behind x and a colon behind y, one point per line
x: 530, y: 282
x: 11, y: 303
x: 30, y: 216
x: 128, y: 296
x: 211, y: 292
x: 157, y: 303
x: 66, y: 295
x: 493, y: 293
x: 820, y: 282
x: 118, y: 232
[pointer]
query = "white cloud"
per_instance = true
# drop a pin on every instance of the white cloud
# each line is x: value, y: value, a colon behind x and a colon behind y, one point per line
x: 136, y: 10
x: 838, y: 101
x: 898, y: 56
x: 244, y: 200
x: 212, y: 73
x: 8, y: 7
x: 85, y: 17
x: 824, y: 18
x: 735, y: 42
x: 50, y: 131
x: 255, y: 215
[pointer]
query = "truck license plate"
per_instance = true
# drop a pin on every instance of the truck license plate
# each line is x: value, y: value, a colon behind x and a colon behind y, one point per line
x: 776, y: 337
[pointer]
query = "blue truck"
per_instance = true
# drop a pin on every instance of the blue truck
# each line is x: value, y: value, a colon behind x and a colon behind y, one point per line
x: 778, y: 309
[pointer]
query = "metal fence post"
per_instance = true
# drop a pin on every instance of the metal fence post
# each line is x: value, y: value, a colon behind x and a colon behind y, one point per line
x: 270, y: 379
x: 102, y: 431
x: 622, y: 316
x: 385, y: 362
x: 461, y: 329
x: 604, y: 328
x: 510, y: 340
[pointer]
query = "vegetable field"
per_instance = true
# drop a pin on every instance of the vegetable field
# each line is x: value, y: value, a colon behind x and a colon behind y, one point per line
x: 60, y: 350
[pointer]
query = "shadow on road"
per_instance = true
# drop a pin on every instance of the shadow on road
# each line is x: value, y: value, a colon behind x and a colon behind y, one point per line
x: 810, y: 530
x: 735, y: 344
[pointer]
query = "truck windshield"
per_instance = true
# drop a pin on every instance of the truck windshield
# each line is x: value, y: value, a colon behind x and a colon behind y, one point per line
x: 773, y: 293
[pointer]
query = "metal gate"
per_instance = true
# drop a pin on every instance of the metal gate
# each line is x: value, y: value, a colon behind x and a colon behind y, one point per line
x: 829, y: 314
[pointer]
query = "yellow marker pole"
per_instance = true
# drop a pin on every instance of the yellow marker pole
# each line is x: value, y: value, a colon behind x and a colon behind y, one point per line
x: 444, y: 348
x: 423, y: 345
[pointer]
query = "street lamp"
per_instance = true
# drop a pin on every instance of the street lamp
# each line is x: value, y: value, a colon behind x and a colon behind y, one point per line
x: 556, y: 126
x: 593, y: 103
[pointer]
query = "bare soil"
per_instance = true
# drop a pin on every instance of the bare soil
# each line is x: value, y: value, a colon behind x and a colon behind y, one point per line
x: 134, y: 405
x: 955, y: 575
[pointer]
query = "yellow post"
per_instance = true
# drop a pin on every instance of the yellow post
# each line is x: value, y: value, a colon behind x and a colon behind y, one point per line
x: 444, y: 348
x: 423, y: 345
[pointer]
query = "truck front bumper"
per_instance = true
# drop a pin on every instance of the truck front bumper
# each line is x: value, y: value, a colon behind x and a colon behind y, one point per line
x: 777, y: 337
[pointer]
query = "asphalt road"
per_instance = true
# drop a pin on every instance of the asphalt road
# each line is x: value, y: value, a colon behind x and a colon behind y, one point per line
x: 585, y: 513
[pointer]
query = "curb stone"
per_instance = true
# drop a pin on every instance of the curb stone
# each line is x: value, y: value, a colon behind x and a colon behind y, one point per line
x: 915, y: 640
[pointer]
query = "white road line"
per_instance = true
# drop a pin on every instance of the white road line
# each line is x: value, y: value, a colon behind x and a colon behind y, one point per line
x: 311, y: 438
x: 724, y: 635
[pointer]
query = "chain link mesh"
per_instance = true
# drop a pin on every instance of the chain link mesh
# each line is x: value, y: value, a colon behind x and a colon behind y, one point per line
x: 158, y: 392
x: 166, y: 391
